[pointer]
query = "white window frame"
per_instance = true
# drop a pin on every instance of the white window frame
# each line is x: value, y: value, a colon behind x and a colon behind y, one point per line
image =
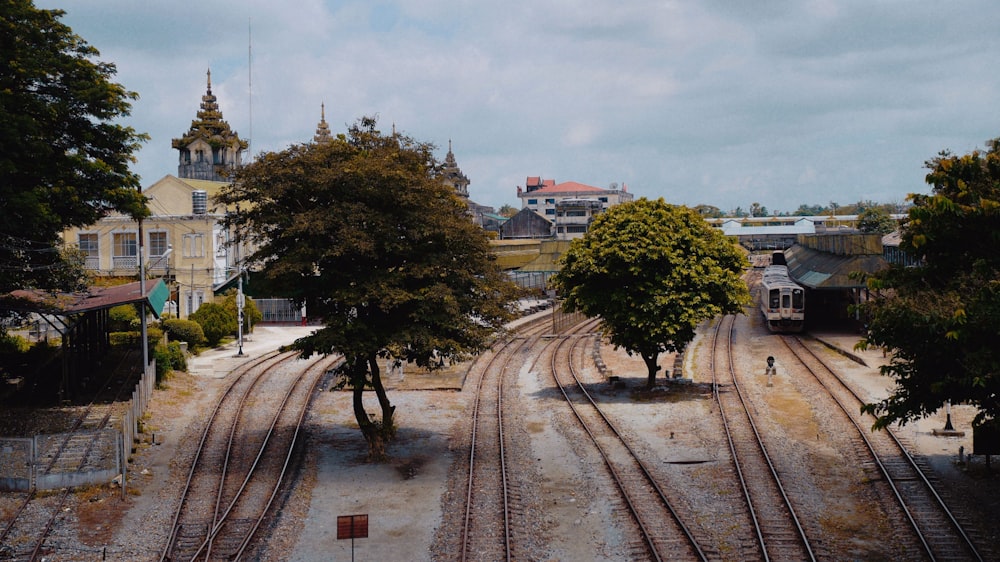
x: 125, y: 240
x: 194, y: 245
x: 91, y: 255
x: 153, y: 253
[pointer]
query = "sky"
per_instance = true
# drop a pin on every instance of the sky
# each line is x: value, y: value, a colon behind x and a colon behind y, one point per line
x: 715, y: 102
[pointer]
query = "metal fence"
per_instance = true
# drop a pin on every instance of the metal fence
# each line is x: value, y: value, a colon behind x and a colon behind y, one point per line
x: 25, y: 463
x: 279, y: 311
x: 531, y: 279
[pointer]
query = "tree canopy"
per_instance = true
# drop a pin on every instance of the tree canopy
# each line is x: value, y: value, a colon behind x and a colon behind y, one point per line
x: 941, y: 319
x: 363, y: 230
x: 875, y: 220
x: 64, y: 161
x: 652, y: 272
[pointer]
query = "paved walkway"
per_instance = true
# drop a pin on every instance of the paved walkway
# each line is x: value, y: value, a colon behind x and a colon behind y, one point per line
x: 220, y: 361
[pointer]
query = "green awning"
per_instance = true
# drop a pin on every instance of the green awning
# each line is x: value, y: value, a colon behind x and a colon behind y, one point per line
x: 157, y: 297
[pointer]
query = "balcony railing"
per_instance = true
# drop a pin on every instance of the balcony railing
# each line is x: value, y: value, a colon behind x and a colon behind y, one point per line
x: 124, y: 262
x: 92, y: 262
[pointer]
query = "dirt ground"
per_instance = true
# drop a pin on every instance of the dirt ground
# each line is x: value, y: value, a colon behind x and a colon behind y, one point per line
x: 404, y: 497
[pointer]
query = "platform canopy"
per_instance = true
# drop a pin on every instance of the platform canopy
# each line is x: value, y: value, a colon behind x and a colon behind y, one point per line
x: 95, y: 298
x: 821, y: 270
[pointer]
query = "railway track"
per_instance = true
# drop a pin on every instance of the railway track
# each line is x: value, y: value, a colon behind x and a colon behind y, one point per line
x: 778, y: 532
x: 35, y: 518
x: 932, y: 523
x: 663, y: 533
x: 487, y: 532
x: 243, y: 457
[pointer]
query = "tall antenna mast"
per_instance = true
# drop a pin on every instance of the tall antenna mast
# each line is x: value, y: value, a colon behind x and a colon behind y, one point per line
x: 250, y: 84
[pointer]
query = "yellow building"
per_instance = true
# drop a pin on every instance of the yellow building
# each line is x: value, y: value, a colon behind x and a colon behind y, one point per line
x: 184, y: 240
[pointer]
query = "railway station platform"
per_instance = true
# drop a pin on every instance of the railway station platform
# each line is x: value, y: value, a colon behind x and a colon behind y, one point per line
x: 219, y: 362
x: 844, y: 343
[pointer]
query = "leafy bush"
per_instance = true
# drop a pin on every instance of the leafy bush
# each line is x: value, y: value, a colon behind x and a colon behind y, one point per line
x: 169, y: 357
x: 124, y: 318
x: 124, y: 339
x: 184, y: 330
x: 13, y: 343
x: 216, y: 322
x: 251, y: 314
x: 133, y: 338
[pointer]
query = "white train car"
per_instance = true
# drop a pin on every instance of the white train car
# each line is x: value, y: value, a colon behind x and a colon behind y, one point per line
x: 782, y: 301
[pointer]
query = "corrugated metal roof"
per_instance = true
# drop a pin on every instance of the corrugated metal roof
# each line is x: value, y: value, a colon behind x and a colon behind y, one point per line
x: 822, y: 270
x: 95, y: 299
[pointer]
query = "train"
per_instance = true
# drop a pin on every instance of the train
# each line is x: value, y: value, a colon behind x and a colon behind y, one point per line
x: 782, y: 301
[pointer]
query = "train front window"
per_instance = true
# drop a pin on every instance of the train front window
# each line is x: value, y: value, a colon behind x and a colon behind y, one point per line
x: 774, y: 298
x: 797, y: 298
x: 786, y: 301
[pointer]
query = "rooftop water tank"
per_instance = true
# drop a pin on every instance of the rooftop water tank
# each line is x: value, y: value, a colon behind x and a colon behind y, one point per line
x: 199, y: 201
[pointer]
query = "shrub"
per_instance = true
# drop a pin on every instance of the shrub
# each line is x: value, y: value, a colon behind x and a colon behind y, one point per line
x: 251, y: 314
x: 169, y: 357
x: 124, y: 318
x: 13, y: 343
x: 184, y: 330
x: 133, y: 338
x: 216, y: 322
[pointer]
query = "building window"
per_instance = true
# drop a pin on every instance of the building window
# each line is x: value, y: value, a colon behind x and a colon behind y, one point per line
x: 550, y: 201
x: 90, y: 250
x: 194, y: 245
x: 532, y: 201
x: 602, y: 199
x: 124, y: 250
x: 158, y: 243
x: 550, y: 211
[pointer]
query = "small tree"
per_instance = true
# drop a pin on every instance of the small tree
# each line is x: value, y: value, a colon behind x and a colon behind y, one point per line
x: 507, y: 211
x: 216, y: 322
x: 875, y: 220
x: 652, y: 272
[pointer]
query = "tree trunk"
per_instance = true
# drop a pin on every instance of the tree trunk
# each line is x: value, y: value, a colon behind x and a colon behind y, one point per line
x: 388, y: 426
x: 369, y: 429
x: 651, y: 368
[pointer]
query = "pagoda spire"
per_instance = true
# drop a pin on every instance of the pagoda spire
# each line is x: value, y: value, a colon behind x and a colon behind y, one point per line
x: 210, y: 150
x: 453, y: 175
x: 323, y: 135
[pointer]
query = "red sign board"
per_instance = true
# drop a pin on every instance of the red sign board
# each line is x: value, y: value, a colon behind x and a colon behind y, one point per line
x: 352, y: 526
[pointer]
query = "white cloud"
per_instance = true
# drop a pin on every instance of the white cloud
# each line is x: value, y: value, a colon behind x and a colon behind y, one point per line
x: 715, y: 102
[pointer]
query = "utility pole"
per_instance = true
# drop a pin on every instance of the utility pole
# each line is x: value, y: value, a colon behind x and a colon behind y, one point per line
x: 142, y: 306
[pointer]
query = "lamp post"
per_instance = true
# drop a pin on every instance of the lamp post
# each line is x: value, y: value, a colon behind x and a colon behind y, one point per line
x: 239, y: 309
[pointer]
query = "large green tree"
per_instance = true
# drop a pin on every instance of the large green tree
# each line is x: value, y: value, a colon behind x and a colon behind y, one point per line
x: 652, y: 272
x: 941, y: 319
x: 364, y: 232
x: 64, y: 158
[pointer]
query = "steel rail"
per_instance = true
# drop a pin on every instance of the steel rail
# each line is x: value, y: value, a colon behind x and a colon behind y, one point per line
x: 803, y: 539
x: 878, y: 461
x: 175, y: 527
x: 223, y: 517
x: 648, y: 476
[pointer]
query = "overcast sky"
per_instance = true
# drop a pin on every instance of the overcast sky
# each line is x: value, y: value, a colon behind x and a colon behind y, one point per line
x: 718, y: 102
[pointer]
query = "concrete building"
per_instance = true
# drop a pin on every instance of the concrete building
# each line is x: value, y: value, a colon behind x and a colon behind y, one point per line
x: 541, y: 195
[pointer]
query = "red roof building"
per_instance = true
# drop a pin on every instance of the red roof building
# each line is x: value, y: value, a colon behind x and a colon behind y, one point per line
x: 541, y: 195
